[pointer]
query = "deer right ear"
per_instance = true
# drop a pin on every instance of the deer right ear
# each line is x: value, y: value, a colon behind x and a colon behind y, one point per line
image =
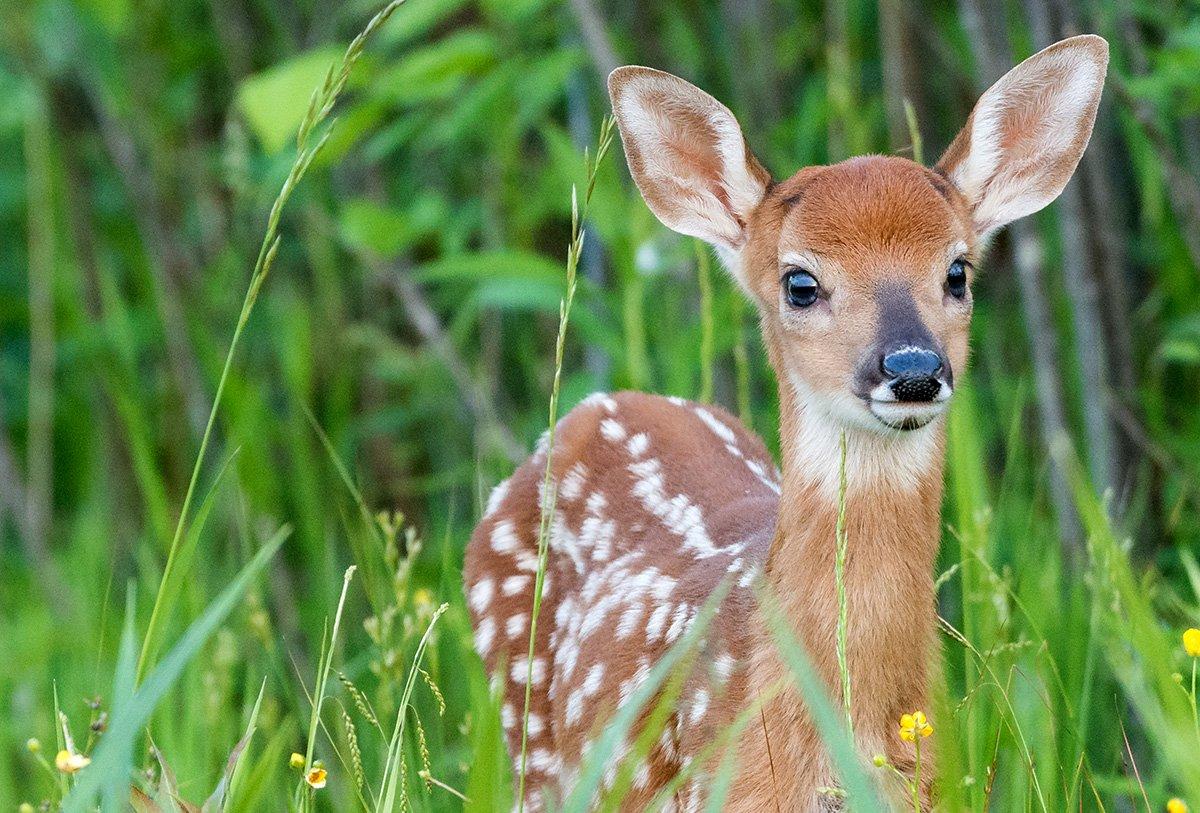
x: 1027, y: 132
x: 687, y: 155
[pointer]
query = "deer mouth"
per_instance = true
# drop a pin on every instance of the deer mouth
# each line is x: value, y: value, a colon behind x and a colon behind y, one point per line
x: 906, y: 416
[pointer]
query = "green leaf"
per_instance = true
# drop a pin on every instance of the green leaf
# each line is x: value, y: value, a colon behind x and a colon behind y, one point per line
x: 274, y: 101
x: 113, y: 757
x: 418, y: 19
x: 387, y: 231
x: 491, y: 265
x: 171, y: 590
x: 436, y: 71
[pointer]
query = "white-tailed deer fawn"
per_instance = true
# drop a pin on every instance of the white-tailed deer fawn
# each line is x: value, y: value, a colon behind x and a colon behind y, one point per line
x: 861, y: 273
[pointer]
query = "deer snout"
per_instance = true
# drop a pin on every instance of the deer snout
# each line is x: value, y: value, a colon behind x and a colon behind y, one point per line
x: 913, y: 374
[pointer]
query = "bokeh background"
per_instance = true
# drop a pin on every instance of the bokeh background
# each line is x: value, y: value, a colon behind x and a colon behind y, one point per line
x: 410, y: 319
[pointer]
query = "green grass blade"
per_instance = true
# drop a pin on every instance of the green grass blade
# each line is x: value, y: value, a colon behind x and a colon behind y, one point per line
x: 115, y: 751
x: 860, y: 792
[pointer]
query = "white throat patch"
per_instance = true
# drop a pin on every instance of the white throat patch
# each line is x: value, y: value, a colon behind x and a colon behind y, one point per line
x: 874, y: 453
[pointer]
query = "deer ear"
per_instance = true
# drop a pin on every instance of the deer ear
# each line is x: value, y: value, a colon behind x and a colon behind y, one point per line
x: 1027, y: 132
x: 687, y: 155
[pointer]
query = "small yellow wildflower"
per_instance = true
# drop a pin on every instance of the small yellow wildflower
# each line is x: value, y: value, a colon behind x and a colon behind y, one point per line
x: 25, y: 808
x: 296, y: 761
x: 316, y: 777
x: 914, y: 724
x: 33, y: 744
x: 70, y: 762
x: 1177, y: 805
x: 1191, y: 642
x: 880, y: 760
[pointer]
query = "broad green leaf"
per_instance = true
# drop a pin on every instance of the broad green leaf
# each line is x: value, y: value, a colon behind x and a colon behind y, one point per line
x: 436, y: 71
x: 491, y: 265
x: 274, y: 101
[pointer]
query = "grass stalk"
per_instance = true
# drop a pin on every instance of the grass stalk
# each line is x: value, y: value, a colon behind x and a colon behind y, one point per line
x: 320, y: 105
x: 704, y: 276
x: 549, y: 487
x: 839, y: 576
x: 916, y: 783
x: 323, y: 668
x: 914, y: 132
x: 390, y: 784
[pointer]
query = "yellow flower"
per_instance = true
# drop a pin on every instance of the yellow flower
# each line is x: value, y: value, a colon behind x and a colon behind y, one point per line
x: 912, y: 725
x: 70, y: 762
x: 33, y: 744
x: 1177, y: 805
x: 316, y: 777
x: 1191, y: 642
x: 296, y: 761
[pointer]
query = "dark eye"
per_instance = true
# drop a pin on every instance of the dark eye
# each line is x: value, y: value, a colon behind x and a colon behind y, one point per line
x: 956, y: 279
x: 801, y: 288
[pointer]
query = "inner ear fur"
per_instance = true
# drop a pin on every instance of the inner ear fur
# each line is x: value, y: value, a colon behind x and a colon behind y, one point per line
x: 687, y: 156
x: 1027, y: 132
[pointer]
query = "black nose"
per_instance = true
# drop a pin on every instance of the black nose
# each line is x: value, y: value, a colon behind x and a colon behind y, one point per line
x: 913, y: 372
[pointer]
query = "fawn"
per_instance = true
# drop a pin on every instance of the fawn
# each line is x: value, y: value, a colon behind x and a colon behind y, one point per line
x: 861, y: 272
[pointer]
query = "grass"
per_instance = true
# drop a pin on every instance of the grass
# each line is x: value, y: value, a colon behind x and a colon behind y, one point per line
x: 549, y: 484
x: 1058, y: 686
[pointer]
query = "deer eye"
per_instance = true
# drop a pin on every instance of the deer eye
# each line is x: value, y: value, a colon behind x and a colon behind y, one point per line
x: 801, y: 288
x: 956, y: 279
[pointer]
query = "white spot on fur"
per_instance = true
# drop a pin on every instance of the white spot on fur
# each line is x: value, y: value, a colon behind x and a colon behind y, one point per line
x: 513, y: 585
x: 679, y: 514
x: 543, y: 761
x: 591, y: 683
x: 516, y: 625
x: 572, y: 482
x: 718, y: 427
x: 723, y: 667
x: 485, y: 633
x: 612, y: 430
x: 496, y: 497
x: 699, y: 706
x: 638, y: 444
x: 520, y: 669
x: 481, y: 595
x: 504, y: 537
x: 658, y: 620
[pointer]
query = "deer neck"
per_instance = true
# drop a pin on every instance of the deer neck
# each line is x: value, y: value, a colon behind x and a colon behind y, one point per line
x: 892, y: 520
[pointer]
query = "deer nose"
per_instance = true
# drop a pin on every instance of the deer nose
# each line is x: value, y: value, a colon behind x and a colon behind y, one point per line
x: 913, y: 373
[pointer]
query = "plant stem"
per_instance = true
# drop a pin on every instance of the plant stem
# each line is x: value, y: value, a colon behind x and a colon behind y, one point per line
x: 839, y: 575
x: 1192, y: 699
x: 549, y: 487
x: 916, y: 783
x: 320, y: 105
x: 703, y: 269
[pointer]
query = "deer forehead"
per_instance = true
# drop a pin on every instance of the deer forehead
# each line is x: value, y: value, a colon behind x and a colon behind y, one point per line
x: 869, y: 218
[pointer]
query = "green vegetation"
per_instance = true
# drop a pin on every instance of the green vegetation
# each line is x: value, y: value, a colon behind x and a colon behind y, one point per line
x: 188, y: 470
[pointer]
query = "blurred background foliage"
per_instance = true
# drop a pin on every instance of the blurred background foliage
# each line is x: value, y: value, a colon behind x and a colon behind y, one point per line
x: 413, y: 308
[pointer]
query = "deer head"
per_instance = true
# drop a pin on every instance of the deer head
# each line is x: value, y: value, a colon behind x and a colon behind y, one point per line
x: 862, y: 271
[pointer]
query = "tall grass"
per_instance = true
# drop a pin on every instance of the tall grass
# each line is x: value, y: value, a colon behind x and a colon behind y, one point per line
x: 319, y: 107
x: 549, y: 490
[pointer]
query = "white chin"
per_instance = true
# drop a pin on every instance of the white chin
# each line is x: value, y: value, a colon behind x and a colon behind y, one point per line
x: 907, y: 416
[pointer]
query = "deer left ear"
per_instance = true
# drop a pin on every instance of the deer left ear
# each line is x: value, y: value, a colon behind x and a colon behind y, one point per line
x: 1027, y: 132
